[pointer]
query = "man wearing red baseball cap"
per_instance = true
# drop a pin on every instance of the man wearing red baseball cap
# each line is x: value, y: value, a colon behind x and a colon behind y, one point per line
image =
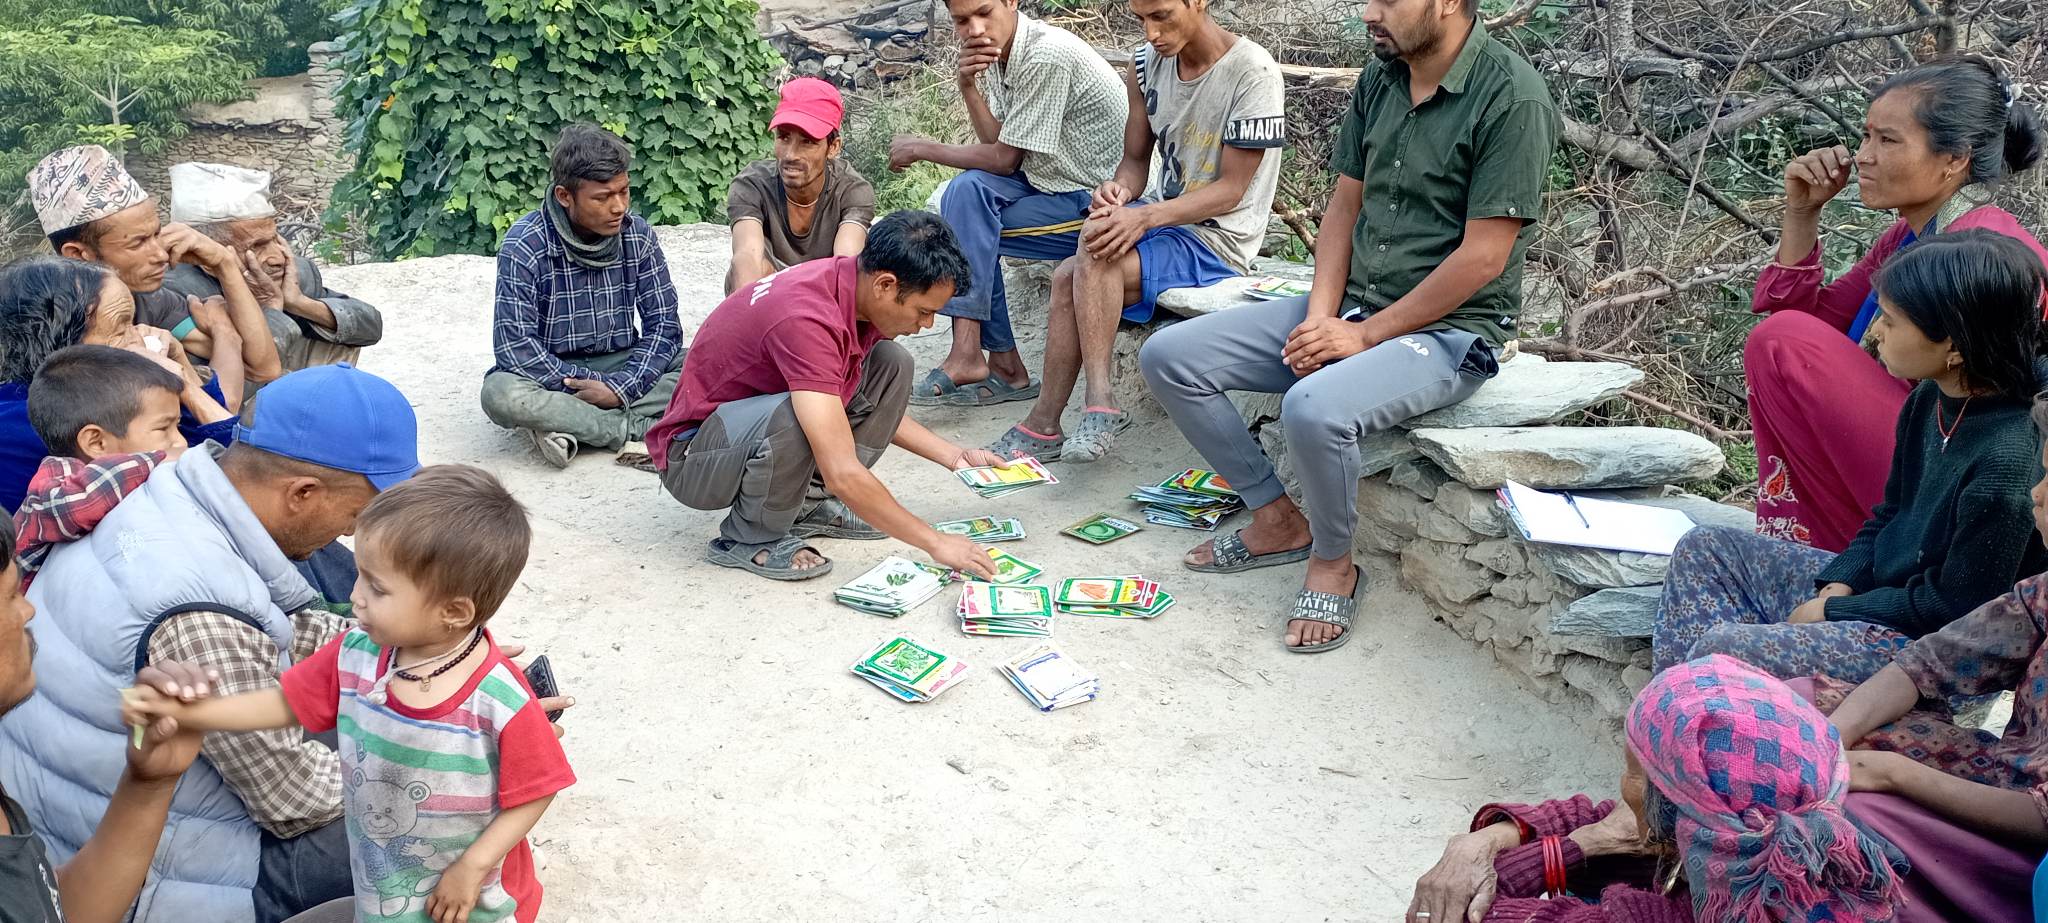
x: 805, y: 203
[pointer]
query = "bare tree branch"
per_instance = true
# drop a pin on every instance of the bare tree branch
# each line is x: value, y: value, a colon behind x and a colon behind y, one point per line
x: 1801, y: 49
x: 1706, y: 429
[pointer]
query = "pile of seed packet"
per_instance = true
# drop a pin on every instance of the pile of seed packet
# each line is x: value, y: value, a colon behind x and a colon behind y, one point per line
x: 1051, y: 679
x: 1192, y: 499
x: 893, y: 587
x: 1005, y: 611
x: 984, y: 529
x: 1124, y: 597
x: 909, y: 670
x: 1007, y: 479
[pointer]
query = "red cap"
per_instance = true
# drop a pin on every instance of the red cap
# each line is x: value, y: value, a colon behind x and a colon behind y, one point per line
x: 811, y: 105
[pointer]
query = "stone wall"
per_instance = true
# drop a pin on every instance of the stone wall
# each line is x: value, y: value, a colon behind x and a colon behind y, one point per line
x: 287, y: 126
x: 1572, y: 621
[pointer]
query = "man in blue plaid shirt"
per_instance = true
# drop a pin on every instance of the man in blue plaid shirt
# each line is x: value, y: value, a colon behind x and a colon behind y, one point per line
x: 573, y: 367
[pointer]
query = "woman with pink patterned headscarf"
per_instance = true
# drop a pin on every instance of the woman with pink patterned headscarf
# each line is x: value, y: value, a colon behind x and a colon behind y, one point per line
x: 1732, y: 812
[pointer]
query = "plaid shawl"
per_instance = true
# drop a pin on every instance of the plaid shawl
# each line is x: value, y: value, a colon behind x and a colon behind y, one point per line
x: 68, y: 497
x: 1757, y: 776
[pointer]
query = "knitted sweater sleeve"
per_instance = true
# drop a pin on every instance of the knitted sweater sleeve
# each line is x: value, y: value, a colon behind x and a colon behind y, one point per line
x: 1549, y: 818
x: 1856, y: 566
x: 1994, y: 529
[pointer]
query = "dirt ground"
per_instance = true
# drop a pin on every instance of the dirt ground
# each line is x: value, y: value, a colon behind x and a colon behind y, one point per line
x: 731, y: 768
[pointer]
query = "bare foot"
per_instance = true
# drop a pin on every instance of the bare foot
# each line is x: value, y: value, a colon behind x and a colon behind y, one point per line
x: 804, y: 559
x: 963, y: 373
x: 1010, y: 366
x: 1338, y: 577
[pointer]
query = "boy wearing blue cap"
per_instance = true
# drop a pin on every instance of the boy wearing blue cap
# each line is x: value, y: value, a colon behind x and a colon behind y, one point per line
x: 196, y: 566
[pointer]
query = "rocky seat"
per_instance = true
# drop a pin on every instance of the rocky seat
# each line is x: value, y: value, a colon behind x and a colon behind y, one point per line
x: 1574, y: 621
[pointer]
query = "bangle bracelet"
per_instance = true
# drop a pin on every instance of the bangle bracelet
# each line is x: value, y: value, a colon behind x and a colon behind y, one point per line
x: 1553, y: 866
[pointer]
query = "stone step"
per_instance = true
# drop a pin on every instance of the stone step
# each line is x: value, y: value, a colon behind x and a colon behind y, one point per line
x: 1623, y: 612
x: 1570, y: 458
x: 1529, y: 391
x: 1229, y: 293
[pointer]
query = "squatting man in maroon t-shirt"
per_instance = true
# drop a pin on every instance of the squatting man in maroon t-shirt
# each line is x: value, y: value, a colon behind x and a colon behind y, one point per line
x: 794, y: 387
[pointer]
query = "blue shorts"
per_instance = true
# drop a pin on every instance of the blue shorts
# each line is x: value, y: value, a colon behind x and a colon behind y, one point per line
x: 1171, y: 258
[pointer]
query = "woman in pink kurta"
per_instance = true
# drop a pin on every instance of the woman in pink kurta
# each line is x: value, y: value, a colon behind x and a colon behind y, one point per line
x: 1936, y: 138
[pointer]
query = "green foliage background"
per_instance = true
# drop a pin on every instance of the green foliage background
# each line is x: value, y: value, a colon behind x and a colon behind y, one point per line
x: 454, y: 104
x: 56, y: 54
x: 53, y: 61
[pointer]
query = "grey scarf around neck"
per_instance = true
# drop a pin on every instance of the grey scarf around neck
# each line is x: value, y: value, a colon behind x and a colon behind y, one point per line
x: 603, y: 254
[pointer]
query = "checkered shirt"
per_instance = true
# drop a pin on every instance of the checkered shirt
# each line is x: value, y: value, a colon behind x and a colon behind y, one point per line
x: 67, y: 498
x: 551, y: 310
x: 290, y: 785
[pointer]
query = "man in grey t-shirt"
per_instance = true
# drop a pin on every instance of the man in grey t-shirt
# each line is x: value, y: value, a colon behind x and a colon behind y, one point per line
x: 1210, y: 103
x: 805, y: 203
x: 1043, y: 104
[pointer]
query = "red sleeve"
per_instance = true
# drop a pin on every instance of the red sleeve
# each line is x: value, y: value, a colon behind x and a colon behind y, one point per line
x: 1618, y: 904
x: 312, y: 687
x: 1551, y: 818
x: 809, y: 357
x: 1799, y: 288
x: 531, y: 764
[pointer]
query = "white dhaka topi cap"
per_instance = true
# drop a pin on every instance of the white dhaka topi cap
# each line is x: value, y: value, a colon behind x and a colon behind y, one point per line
x: 79, y: 185
x: 202, y: 193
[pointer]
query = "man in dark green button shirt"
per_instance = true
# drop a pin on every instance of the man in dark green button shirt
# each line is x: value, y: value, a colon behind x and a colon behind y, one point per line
x: 1418, y: 283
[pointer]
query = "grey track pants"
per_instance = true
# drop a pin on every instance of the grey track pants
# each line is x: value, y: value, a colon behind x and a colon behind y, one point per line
x: 751, y: 456
x: 518, y: 402
x: 1191, y: 364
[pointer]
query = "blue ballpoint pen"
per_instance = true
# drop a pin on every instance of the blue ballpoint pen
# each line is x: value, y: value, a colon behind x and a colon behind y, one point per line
x: 1573, y: 502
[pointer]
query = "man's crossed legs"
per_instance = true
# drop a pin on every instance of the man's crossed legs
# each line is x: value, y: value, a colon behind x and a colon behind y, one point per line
x: 1191, y: 365
x: 560, y: 423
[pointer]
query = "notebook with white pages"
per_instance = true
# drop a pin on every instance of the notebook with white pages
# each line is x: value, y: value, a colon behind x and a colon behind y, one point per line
x: 1562, y: 518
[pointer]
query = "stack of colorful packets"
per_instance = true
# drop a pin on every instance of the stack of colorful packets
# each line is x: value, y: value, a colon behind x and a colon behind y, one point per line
x: 1051, y: 679
x: 909, y: 671
x: 1007, y: 479
x: 1123, y: 597
x: 984, y: 529
x: 1192, y: 499
x: 1005, y: 611
x: 892, y: 587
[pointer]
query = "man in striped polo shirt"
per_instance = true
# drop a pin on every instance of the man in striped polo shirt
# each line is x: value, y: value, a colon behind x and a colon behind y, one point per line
x: 1046, y: 111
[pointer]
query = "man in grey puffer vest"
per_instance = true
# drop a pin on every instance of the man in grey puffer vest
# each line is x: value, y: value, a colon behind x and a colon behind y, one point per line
x: 196, y: 566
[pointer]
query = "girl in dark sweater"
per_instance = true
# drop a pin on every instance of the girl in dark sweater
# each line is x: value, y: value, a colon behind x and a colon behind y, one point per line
x: 1960, y: 314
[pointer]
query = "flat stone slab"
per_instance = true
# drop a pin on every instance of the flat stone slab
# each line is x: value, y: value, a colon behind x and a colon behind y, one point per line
x: 1229, y: 293
x: 1383, y: 450
x: 1625, y: 612
x: 1569, y: 458
x: 1528, y: 393
x: 1598, y: 569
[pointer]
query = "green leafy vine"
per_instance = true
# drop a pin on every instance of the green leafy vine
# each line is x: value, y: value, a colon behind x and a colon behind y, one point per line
x: 453, y: 105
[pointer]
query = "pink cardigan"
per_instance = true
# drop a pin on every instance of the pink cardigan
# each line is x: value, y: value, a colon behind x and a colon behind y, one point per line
x: 1799, y: 288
